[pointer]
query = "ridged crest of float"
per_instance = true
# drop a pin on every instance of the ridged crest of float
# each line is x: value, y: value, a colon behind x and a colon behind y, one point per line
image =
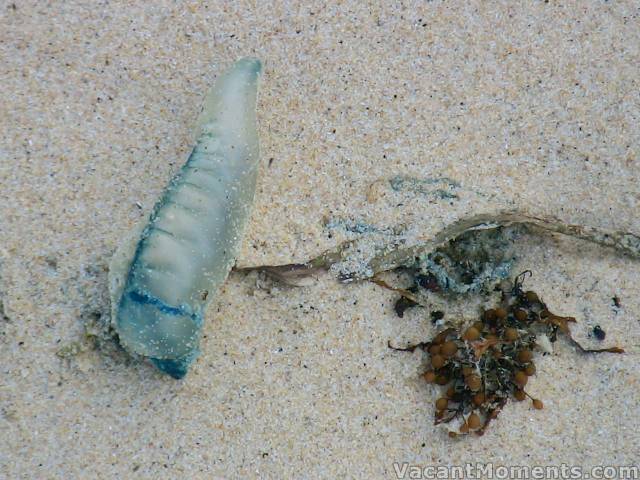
x: 163, y: 278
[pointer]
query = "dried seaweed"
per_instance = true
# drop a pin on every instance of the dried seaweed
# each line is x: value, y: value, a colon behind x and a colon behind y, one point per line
x: 489, y: 362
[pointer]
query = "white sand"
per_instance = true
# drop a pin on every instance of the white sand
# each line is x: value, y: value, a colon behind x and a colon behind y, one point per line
x: 534, y: 106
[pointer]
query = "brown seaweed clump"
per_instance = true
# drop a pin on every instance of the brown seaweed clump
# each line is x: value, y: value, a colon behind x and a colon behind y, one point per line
x: 485, y: 364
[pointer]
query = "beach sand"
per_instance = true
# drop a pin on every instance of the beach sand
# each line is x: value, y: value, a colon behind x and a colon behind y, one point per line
x: 533, y: 107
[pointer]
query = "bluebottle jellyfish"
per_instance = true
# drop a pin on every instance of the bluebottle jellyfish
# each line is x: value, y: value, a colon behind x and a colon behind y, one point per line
x: 165, y: 275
